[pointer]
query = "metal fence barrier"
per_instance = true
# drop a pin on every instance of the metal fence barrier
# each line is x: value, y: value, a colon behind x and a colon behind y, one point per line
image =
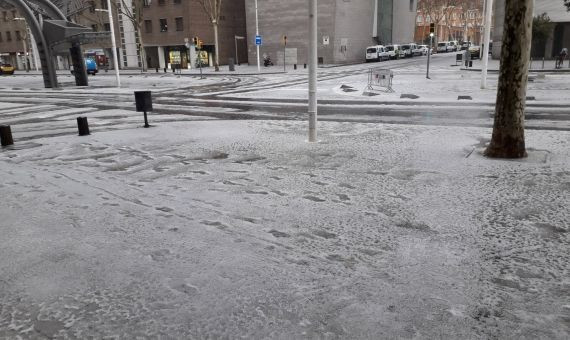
x: 380, y: 79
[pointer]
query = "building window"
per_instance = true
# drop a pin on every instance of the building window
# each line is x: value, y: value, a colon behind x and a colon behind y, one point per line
x: 107, y: 27
x: 1, y: 37
x: 411, y: 5
x: 163, y: 25
x: 179, y: 24
x: 18, y: 36
x: 161, y: 2
x: 14, y: 15
x: 5, y: 15
x: 94, y: 27
x: 8, y: 36
x: 92, y: 6
x: 104, y: 4
x: 148, y: 26
x: 146, y: 3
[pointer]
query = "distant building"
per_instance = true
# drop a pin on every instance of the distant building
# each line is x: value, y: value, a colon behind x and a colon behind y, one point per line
x: 15, y: 40
x: 454, y: 23
x: 169, y: 24
x: 559, y: 38
x: 345, y: 28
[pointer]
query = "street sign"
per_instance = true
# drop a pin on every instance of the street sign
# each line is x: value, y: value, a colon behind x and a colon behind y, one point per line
x: 258, y: 40
x: 432, y: 28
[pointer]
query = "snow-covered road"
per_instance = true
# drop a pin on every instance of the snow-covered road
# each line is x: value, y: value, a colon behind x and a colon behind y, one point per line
x: 240, y: 229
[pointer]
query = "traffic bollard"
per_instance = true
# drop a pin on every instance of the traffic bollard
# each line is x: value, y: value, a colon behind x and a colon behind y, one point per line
x: 294, y: 66
x: 83, y: 126
x: 6, y: 135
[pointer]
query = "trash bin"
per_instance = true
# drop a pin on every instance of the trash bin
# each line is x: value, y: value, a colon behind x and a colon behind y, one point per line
x: 143, y: 101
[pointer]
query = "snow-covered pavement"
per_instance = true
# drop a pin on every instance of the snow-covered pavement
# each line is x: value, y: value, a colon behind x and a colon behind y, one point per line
x: 241, y: 229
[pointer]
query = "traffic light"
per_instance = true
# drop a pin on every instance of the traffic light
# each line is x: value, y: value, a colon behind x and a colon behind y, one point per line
x: 432, y: 28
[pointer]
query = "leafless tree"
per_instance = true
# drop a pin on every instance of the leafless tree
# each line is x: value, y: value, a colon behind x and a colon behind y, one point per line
x: 133, y: 11
x: 508, y: 139
x: 213, y: 9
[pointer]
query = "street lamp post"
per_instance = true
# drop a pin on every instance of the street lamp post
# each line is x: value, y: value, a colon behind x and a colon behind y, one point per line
x: 257, y: 34
x: 429, y: 53
x: 484, y: 49
x: 312, y: 71
x: 114, y: 43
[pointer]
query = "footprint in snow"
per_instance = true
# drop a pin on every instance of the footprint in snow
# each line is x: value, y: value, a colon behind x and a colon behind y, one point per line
x: 313, y: 198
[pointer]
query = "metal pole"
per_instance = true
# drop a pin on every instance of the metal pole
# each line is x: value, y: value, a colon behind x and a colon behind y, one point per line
x: 485, y: 48
x: 115, y: 59
x: 429, y: 54
x: 256, y: 34
x: 235, y: 41
x: 284, y: 52
x: 33, y: 48
x: 312, y: 71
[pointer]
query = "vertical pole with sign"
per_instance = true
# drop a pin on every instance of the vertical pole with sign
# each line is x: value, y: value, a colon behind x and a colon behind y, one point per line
x: 313, y: 71
x: 257, y: 35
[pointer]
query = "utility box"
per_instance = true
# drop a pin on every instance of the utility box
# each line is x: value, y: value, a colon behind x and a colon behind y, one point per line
x: 143, y: 101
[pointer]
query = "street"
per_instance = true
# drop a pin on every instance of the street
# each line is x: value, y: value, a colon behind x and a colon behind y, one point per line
x: 280, y: 96
x: 221, y: 221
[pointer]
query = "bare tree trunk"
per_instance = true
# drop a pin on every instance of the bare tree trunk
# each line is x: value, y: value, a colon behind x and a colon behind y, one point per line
x: 508, y: 130
x: 217, y: 49
x: 142, y: 51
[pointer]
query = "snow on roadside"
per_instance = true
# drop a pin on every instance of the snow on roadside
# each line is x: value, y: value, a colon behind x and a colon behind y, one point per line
x: 242, y: 229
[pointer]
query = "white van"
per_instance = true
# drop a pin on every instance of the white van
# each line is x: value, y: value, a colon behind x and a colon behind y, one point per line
x: 442, y: 47
x: 395, y: 51
x: 408, y: 50
x: 376, y: 53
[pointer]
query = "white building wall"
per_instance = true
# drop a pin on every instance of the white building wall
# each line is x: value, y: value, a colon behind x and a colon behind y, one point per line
x: 129, y: 52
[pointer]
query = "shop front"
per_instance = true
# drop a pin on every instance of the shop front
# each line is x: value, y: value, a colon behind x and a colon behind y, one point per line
x: 176, y: 56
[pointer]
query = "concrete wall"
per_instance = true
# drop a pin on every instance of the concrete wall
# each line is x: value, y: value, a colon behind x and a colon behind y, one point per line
x: 354, y: 22
x: 498, y: 24
x: 347, y: 23
x: 404, y: 23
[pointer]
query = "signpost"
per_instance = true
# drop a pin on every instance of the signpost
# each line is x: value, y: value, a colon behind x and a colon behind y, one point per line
x: 258, y: 40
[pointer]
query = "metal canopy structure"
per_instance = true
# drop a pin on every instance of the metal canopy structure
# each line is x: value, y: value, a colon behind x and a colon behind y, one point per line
x: 50, y: 28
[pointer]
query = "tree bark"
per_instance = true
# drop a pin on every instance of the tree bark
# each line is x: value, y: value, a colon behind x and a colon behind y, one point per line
x: 217, y: 49
x: 508, y: 139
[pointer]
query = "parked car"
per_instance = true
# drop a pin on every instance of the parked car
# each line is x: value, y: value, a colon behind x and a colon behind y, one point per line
x: 6, y: 69
x: 421, y: 50
x: 376, y: 53
x: 465, y: 45
x: 394, y: 51
x: 408, y: 51
x: 90, y: 66
x: 475, y: 52
x: 452, y: 47
x: 442, y: 47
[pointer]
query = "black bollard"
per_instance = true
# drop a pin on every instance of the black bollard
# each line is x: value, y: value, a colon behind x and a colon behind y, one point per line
x: 304, y: 65
x: 294, y: 66
x: 83, y: 126
x: 6, y: 135
x: 157, y: 70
